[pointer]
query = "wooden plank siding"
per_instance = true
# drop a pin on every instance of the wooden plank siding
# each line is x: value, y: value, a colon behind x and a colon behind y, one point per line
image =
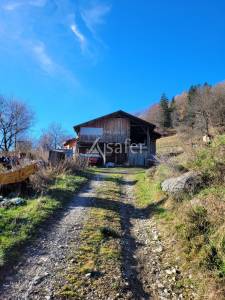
x: 115, y: 130
x: 138, y: 158
x: 153, y: 147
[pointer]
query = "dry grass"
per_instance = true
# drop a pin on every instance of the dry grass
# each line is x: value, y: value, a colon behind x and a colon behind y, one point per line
x: 197, y: 225
x: 175, y: 151
x: 47, y: 174
x: 169, y: 144
x: 194, y: 228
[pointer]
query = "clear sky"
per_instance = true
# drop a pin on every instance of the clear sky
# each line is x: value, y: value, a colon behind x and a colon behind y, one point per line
x: 74, y: 60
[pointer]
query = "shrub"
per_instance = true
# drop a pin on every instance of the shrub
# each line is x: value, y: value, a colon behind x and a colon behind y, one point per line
x: 209, y: 258
x: 210, y: 161
x: 46, y: 175
x: 198, y: 223
x: 223, y: 244
x: 222, y: 269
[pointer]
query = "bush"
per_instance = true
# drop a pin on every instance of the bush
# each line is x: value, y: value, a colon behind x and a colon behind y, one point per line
x: 198, y: 223
x: 223, y: 244
x: 210, y: 161
x: 40, y: 181
x: 203, y: 242
x: 210, y: 258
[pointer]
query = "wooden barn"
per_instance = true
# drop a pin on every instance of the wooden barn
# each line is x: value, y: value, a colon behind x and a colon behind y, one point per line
x: 119, y: 138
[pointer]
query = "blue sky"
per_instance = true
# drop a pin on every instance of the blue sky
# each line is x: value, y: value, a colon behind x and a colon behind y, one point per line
x: 75, y: 60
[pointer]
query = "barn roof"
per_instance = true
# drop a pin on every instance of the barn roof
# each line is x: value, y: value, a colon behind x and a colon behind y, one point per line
x: 117, y: 114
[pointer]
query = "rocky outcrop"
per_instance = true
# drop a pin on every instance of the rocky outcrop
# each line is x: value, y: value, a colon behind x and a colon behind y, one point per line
x: 188, y: 183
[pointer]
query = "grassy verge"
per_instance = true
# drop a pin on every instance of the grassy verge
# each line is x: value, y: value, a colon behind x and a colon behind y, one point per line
x: 193, y: 228
x: 18, y: 224
x: 147, y: 188
x: 95, y: 268
x: 197, y: 226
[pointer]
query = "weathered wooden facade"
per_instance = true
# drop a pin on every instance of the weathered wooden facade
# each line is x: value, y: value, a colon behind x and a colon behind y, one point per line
x: 119, y: 137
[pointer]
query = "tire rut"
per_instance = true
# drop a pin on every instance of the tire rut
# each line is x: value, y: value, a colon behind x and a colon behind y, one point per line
x: 146, y: 270
x: 130, y: 265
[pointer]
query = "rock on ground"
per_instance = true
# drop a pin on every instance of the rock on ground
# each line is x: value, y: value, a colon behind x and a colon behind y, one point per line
x: 187, y: 183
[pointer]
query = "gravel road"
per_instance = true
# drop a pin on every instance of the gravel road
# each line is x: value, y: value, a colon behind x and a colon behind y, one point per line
x: 146, y: 273
x: 34, y: 277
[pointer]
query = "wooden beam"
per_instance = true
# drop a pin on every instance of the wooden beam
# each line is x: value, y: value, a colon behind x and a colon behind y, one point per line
x: 148, y: 139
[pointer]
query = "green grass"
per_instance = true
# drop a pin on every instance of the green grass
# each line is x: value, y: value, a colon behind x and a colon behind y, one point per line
x: 148, y: 192
x: 147, y: 188
x: 116, y: 170
x: 215, y: 190
x: 18, y: 224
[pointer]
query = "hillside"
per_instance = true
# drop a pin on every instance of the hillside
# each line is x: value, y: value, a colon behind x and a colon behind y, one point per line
x: 193, y: 223
x: 198, y: 111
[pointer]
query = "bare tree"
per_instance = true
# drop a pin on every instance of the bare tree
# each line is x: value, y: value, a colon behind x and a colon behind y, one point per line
x: 202, y: 106
x: 53, y: 137
x: 153, y: 114
x: 180, y: 112
x: 15, y: 119
x: 193, y: 110
x: 218, y: 106
x: 200, y: 111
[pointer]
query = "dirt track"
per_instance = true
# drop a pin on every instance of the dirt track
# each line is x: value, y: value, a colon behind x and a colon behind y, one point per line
x: 143, y: 271
x: 35, y: 276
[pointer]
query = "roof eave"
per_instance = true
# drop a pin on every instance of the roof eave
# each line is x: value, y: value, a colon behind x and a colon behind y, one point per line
x: 76, y: 127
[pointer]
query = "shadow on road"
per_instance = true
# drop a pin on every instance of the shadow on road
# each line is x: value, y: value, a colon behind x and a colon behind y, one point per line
x: 127, y: 212
x: 129, y: 245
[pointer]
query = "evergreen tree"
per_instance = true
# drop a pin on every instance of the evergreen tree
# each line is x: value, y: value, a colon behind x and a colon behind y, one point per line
x: 165, y: 121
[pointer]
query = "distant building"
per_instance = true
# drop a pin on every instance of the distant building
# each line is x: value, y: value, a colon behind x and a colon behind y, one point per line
x: 70, y: 144
x: 119, y: 138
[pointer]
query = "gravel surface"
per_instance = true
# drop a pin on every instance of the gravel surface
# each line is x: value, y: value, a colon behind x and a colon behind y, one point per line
x: 146, y: 268
x: 145, y: 273
x: 34, y: 277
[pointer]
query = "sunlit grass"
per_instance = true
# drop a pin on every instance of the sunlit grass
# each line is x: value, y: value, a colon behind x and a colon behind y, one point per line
x: 18, y: 224
x: 147, y: 189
